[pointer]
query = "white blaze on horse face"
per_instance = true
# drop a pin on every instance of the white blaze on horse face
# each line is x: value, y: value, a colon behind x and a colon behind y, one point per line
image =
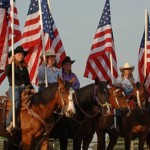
x: 108, y: 108
x: 70, y: 108
x: 138, y: 97
x: 123, y: 94
x: 117, y: 101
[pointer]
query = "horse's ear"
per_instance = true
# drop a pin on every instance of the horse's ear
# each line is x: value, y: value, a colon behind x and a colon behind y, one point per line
x: 60, y: 81
x: 96, y: 80
x: 107, y: 81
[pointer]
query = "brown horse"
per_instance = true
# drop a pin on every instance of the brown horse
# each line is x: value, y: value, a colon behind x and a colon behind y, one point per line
x: 136, y: 125
x: 106, y: 122
x: 36, y: 116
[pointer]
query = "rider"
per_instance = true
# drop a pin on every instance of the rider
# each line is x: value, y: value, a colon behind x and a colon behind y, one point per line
x: 51, y: 70
x: 67, y: 73
x: 22, y: 80
x: 126, y: 79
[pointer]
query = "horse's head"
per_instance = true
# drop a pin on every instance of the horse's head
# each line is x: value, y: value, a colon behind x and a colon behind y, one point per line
x: 118, y: 99
x: 139, y: 94
x: 102, y: 96
x: 65, y: 97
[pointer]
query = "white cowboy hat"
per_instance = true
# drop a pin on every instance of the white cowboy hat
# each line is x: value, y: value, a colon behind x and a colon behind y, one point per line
x: 126, y: 66
x: 49, y: 52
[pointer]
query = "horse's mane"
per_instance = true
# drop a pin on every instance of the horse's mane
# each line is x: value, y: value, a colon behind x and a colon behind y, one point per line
x: 138, y: 85
x: 45, y: 96
x: 48, y: 94
x: 85, y: 93
x: 117, y: 86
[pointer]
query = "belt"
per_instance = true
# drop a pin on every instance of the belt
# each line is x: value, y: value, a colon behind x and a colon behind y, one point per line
x: 41, y: 84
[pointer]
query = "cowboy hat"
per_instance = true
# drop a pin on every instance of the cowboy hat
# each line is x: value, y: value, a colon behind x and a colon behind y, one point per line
x: 67, y: 60
x: 19, y: 49
x: 126, y: 66
x: 48, y: 53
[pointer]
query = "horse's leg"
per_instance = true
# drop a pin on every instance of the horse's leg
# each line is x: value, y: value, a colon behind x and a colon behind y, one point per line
x: 45, y: 145
x: 77, y: 143
x: 101, y: 140
x: 63, y: 141
x: 10, y: 146
x: 127, y: 142
x: 27, y: 143
x: 142, y: 140
x: 113, y: 135
x: 87, y: 141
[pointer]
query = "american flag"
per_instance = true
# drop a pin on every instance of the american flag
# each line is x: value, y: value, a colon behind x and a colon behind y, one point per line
x: 141, y: 59
x: 98, y: 63
x: 5, y: 32
x: 32, y: 41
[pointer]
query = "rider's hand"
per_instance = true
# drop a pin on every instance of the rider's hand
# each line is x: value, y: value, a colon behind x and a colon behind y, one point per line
x: 33, y: 91
x: 11, y: 59
x: 72, y: 80
x: 44, y: 62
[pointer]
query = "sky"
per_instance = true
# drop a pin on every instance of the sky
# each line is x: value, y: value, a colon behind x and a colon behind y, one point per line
x: 77, y: 22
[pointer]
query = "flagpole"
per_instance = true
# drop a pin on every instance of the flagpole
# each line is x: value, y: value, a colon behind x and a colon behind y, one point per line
x: 146, y: 36
x: 112, y: 79
x: 13, y: 65
x: 111, y: 65
x: 43, y: 45
x: 49, y: 4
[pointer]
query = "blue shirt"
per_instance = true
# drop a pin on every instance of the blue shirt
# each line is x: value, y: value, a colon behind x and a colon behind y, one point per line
x: 52, y: 74
x: 125, y: 83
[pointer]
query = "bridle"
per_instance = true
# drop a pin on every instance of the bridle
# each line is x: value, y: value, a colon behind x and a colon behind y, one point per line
x: 102, y: 105
x: 138, y: 97
x: 64, y: 102
x: 116, y: 98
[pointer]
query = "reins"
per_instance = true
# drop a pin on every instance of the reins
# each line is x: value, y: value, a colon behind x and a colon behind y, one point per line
x: 87, y: 115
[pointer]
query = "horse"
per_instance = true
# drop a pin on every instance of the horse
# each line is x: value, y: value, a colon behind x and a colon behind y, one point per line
x: 136, y: 125
x: 36, y: 115
x: 81, y: 126
x: 107, y: 122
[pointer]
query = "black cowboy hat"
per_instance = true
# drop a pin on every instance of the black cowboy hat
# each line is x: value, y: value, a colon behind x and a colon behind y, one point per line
x: 19, y: 49
x: 67, y: 60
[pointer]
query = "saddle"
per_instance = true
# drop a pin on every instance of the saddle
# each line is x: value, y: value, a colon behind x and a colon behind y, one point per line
x: 5, y: 105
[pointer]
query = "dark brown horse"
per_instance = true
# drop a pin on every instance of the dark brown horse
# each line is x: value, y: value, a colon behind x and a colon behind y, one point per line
x: 136, y: 125
x: 82, y: 126
x: 36, y: 116
x: 106, y: 122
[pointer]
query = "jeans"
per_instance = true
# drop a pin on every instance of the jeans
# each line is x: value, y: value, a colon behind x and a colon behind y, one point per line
x: 18, y: 91
x: 41, y: 88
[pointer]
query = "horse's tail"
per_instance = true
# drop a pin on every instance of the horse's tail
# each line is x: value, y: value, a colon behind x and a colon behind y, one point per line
x: 148, y: 140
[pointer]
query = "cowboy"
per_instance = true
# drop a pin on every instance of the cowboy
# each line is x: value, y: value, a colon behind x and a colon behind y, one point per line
x: 126, y: 79
x: 67, y: 73
x: 22, y: 80
x: 51, y: 71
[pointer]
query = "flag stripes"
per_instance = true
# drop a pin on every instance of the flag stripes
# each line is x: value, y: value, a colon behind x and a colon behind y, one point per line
x: 99, y: 61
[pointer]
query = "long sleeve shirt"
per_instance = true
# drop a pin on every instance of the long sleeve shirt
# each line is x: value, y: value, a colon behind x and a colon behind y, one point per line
x: 125, y: 83
x: 68, y: 77
x: 21, y: 76
x: 52, y: 74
